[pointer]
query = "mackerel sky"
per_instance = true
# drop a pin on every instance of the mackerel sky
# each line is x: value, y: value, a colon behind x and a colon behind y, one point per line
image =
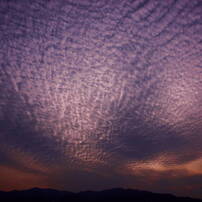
x: 97, y: 94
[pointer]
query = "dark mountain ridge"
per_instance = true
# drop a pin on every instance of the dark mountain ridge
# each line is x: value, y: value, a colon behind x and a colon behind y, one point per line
x: 116, y: 194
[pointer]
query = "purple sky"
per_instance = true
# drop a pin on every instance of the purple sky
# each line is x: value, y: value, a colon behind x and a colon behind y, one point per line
x: 97, y: 94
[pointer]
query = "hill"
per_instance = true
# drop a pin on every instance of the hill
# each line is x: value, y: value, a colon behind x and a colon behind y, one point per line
x: 118, y: 195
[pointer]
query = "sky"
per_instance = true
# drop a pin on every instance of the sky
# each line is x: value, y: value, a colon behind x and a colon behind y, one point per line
x: 99, y: 94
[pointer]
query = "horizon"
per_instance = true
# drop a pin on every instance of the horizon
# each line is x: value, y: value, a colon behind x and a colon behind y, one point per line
x: 99, y: 190
x: 111, y: 189
x: 97, y: 94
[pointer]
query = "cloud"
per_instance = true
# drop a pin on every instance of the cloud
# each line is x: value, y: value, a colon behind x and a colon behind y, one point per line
x: 84, y: 108
x: 167, y: 164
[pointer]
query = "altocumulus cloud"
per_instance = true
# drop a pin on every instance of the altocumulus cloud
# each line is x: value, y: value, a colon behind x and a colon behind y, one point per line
x: 95, y: 95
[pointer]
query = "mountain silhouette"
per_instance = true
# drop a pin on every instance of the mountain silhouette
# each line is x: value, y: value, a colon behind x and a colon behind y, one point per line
x: 111, y: 195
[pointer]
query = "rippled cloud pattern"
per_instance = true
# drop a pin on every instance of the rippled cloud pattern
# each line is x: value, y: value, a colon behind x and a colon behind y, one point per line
x: 99, y: 94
